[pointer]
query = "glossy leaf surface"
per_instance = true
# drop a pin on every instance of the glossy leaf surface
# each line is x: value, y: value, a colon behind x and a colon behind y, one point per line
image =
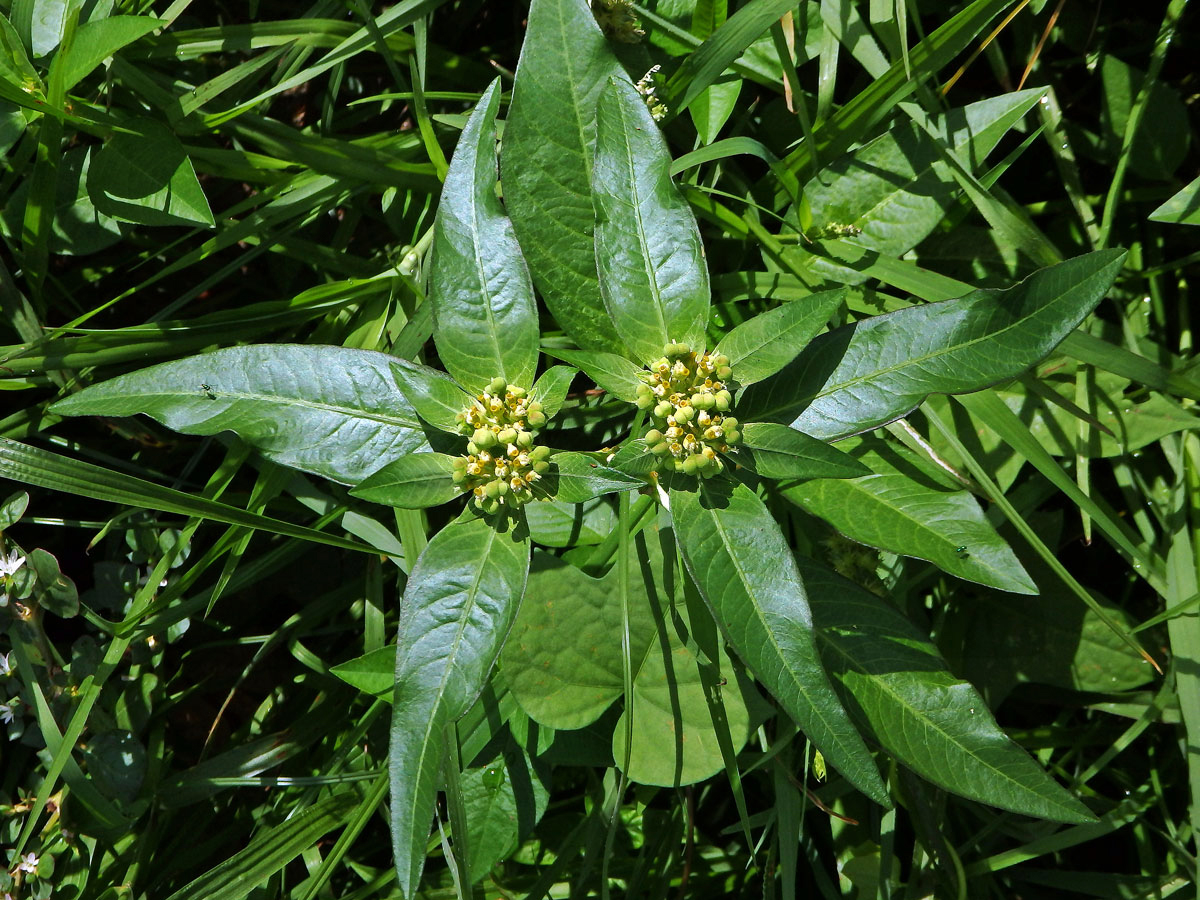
x: 744, y: 569
x: 863, y: 375
x: 412, y: 482
x: 333, y: 411
x: 461, y: 600
x: 894, y: 680
x: 653, y: 276
x: 485, y: 318
x: 761, y: 346
x: 546, y: 162
x: 776, y: 451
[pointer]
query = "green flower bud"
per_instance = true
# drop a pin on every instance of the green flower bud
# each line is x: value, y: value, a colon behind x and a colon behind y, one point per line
x: 663, y: 410
x: 540, y: 466
x: 732, y: 435
x: 497, y: 385
x: 501, y: 487
x: 484, y: 437
x: 723, y: 371
x: 539, y: 453
x: 724, y: 400
x: 662, y: 448
x: 728, y: 422
x: 653, y: 437
x: 692, y: 464
x: 525, y: 439
x: 491, y: 507
x: 646, y: 400
x: 507, y: 436
x: 517, y: 392
x: 472, y: 448
x: 536, y: 419
x: 684, y: 414
x: 459, y: 475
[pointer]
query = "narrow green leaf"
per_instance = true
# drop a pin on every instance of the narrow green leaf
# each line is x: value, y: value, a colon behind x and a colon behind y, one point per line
x: 761, y: 346
x: 613, y: 373
x: 546, y: 162
x: 896, y: 683
x: 864, y: 375
x: 146, y: 178
x: 485, y: 318
x: 271, y: 850
x: 332, y: 411
x: 97, y: 40
x: 414, y: 481
x: 745, y: 571
x: 1181, y: 209
x: 576, y: 478
x: 781, y: 452
x: 30, y: 465
x: 653, y: 276
x: 461, y: 599
x: 551, y: 388
x: 435, y: 396
x: 705, y: 65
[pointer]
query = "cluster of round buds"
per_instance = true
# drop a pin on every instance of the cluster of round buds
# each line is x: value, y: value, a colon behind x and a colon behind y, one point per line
x: 502, y: 463
x: 499, y: 407
x: 688, y: 401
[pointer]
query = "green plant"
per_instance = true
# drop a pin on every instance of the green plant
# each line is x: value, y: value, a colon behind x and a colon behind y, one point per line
x: 673, y: 534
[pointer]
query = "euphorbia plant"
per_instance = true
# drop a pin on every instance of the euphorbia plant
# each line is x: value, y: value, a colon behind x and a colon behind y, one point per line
x: 714, y: 432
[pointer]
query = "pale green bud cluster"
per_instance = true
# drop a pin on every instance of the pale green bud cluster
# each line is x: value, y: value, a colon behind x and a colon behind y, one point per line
x: 502, y: 462
x: 688, y: 401
x: 647, y: 86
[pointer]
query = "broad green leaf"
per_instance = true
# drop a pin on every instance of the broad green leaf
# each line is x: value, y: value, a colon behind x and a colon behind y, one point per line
x: 895, y: 189
x: 78, y: 228
x: 1162, y: 139
x: 1181, y: 209
x: 712, y: 109
x: 435, y: 397
x: 332, y: 411
x: 485, y: 318
x: 653, y: 276
x: 551, y: 388
x: 864, y: 375
x: 634, y: 459
x: 894, y: 681
x: 745, y: 571
x: 146, y: 178
x: 96, y: 41
x: 613, y: 373
x: 777, y: 451
x: 12, y: 509
x: 577, y: 478
x: 892, y: 510
x: 546, y: 162
x: 54, y: 591
x: 460, y: 601
x: 764, y: 344
x: 414, y: 481
x: 15, y: 65
x: 556, y: 524
x: 563, y: 664
x: 373, y: 673
x: 504, y: 800
x: 272, y: 849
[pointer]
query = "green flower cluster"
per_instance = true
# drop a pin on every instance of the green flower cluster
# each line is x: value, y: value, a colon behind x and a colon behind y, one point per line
x: 618, y: 20
x: 688, y: 401
x: 502, y: 461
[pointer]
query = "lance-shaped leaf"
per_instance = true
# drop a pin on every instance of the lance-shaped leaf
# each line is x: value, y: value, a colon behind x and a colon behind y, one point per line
x: 332, y: 411
x: 653, y: 276
x: 894, y: 511
x: 895, y: 682
x: 551, y: 388
x: 777, y: 451
x: 761, y: 346
x: 415, y: 481
x: 576, y: 478
x: 485, y: 319
x: 546, y: 162
x: 613, y: 373
x: 864, y: 375
x: 435, y: 397
x: 461, y: 599
x: 745, y: 571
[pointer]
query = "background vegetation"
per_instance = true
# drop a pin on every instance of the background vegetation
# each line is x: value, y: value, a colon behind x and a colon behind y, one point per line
x: 224, y: 174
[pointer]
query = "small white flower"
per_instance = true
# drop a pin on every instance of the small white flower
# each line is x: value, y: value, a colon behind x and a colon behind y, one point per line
x: 29, y: 863
x: 5, y: 666
x: 10, y: 564
x: 6, y: 713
